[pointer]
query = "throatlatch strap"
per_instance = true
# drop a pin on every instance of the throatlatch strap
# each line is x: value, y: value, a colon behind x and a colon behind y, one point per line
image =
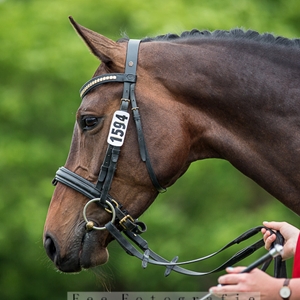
x: 141, y: 140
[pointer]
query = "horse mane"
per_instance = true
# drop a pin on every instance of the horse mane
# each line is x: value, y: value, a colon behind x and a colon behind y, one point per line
x: 240, y: 34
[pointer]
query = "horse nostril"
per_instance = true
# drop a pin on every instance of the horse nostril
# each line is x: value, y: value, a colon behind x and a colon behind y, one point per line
x: 50, y: 247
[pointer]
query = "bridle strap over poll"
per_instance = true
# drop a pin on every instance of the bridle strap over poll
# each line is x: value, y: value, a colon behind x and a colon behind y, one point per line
x: 121, y: 221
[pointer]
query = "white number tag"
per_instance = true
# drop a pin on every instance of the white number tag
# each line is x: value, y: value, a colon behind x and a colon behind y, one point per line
x: 118, y: 128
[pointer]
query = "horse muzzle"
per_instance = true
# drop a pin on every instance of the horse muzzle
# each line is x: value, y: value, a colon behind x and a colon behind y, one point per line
x: 82, y: 253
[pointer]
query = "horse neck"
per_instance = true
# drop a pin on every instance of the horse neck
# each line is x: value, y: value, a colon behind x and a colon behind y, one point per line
x: 227, y: 73
x: 240, y: 100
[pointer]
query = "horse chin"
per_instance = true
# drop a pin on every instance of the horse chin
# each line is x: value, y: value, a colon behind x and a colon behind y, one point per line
x: 90, y: 260
x: 92, y: 255
x: 89, y: 253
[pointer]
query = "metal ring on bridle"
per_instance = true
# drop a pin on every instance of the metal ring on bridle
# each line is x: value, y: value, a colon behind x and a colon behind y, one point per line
x: 91, y: 226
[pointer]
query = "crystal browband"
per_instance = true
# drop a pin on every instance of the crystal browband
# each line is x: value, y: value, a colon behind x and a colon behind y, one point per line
x: 113, y: 77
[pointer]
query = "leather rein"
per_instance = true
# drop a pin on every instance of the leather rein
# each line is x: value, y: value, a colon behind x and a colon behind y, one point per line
x: 122, y: 222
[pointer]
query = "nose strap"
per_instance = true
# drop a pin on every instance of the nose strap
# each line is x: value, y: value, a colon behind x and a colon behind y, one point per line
x: 76, y: 182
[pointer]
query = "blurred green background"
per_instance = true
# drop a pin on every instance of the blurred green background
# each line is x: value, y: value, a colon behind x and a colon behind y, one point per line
x: 43, y: 64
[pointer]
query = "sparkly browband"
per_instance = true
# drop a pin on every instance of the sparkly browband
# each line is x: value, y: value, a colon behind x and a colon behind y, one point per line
x: 113, y: 77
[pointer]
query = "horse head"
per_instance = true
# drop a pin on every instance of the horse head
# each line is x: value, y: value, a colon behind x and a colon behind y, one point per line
x: 67, y: 241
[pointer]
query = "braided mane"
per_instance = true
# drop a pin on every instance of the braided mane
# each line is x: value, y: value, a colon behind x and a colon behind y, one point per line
x: 224, y: 34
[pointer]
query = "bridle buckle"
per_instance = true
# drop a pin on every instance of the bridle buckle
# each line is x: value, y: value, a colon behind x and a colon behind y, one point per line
x: 124, y: 220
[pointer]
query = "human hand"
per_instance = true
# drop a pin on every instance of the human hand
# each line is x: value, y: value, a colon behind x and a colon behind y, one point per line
x: 288, y: 231
x: 245, y: 284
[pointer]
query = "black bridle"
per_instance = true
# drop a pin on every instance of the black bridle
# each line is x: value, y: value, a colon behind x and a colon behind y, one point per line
x: 115, y: 141
x: 122, y: 221
x: 100, y: 191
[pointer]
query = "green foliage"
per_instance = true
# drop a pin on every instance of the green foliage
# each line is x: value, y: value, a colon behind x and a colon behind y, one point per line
x: 43, y: 64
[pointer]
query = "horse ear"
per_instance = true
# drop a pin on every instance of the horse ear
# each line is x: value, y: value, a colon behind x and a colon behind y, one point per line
x: 108, y: 51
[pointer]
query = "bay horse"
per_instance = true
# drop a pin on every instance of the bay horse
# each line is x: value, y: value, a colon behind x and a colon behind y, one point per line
x: 232, y: 95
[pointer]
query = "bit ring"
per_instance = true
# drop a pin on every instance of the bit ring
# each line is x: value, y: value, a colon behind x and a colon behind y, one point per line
x: 89, y: 224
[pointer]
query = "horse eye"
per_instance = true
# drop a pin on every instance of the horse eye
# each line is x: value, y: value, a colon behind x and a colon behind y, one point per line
x: 89, y: 122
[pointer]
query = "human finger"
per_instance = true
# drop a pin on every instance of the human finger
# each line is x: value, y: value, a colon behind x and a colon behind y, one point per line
x: 266, y: 233
x: 228, y: 284
x: 273, y: 225
x: 269, y: 239
x: 235, y: 270
x: 232, y: 278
